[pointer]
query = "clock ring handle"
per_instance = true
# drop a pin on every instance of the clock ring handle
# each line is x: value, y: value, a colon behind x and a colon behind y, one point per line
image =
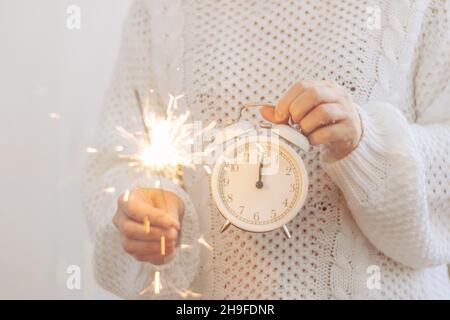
x: 262, y: 104
x: 292, y: 132
x: 252, y: 105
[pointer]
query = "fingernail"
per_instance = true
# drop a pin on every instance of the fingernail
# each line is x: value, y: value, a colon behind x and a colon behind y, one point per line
x: 177, y: 225
x: 279, y: 115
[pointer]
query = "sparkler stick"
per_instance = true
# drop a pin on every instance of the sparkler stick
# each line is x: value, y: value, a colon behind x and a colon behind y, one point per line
x: 143, y: 117
x: 157, y: 282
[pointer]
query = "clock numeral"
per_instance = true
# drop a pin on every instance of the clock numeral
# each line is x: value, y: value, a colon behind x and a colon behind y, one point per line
x: 232, y: 167
x: 273, y: 214
x: 247, y: 153
x: 226, y: 182
x: 241, y: 210
x: 230, y: 198
x: 285, y: 202
x: 256, y: 216
x: 288, y: 171
x: 293, y: 187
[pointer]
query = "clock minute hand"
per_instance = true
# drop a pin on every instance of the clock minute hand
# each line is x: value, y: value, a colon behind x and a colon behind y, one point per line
x: 259, y: 183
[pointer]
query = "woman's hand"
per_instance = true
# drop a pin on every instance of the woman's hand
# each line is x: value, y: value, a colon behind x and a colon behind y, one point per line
x: 325, y: 112
x: 164, y: 210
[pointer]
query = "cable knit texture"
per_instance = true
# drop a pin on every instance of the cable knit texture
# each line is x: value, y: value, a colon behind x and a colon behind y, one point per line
x: 384, y: 207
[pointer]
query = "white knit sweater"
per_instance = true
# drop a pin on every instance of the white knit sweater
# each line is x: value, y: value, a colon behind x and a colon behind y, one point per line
x: 384, y: 207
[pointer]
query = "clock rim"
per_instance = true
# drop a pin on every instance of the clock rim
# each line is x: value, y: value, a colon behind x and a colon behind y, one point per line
x: 260, y: 228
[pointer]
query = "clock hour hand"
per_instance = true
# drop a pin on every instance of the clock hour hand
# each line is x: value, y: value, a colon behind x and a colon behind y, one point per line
x: 259, y: 183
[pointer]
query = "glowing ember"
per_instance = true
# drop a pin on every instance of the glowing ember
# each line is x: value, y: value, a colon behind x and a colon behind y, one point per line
x: 111, y: 190
x: 163, y: 245
x: 147, y: 225
x: 157, y: 282
x: 207, y: 169
x: 54, y: 116
x: 126, y: 196
x: 202, y: 241
x: 188, y: 294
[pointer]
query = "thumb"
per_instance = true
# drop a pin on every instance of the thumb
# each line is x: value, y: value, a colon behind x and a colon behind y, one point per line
x: 170, y: 203
x: 268, y: 113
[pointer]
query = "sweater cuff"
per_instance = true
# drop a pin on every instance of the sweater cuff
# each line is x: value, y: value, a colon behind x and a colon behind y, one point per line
x: 364, y: 171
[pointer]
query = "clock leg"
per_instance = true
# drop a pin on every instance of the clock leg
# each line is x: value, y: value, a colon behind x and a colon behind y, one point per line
x: 225, y: 226
x: 287, y: 233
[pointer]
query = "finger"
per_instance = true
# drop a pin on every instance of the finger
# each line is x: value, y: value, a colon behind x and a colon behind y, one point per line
x: 144, y: 248
x: 329, y: 134
x: 268, y: 113
x: 321, y: 116
x: 281, y: 114
x: 136, y: 231
x: 309, y: 99
x: 139, y: 208
x: 168, y: 202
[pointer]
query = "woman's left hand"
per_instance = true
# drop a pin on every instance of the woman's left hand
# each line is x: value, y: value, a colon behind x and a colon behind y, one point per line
x: 325, y: 112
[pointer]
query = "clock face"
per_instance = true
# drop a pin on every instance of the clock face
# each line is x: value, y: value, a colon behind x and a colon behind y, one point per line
x: 259, y: 185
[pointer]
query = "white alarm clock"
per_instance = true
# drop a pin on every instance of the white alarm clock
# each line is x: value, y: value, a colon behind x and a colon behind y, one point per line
x: 259, y: 183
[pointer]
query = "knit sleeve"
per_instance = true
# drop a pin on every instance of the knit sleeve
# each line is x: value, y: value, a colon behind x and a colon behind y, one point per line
x: 397, y: 182
x: 107, y: 177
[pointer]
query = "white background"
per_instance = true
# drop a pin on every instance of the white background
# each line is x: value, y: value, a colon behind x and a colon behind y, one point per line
x: 44, y: 68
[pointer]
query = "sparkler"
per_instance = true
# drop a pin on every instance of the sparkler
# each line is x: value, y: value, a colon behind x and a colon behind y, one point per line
x: 164, y: 149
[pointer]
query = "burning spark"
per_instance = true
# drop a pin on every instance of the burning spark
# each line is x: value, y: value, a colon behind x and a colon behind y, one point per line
x: 111, y: 190
x: 185, y: 246
x: 155, y: 285
x: 54, y: 116
x: 260, y: 148
x: 157, y: 282
x: 188, y: 294
x: 119, y: 148
x: 206, y: 244
x: 147, y: 225
x: 157, y: 184
x: 143, y: 292
x: 91, y: 150
x: 163, y: 245
x: 126, y: 196
x: 207, y: 169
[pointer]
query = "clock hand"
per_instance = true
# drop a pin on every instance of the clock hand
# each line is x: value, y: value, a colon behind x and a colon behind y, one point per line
x: 259, y: 183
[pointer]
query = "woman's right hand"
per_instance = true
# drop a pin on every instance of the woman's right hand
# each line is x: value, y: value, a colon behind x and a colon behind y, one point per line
x: 164, y: 210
